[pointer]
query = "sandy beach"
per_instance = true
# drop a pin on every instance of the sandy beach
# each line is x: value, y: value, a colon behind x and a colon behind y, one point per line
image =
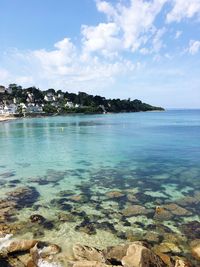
x: 6, y: 118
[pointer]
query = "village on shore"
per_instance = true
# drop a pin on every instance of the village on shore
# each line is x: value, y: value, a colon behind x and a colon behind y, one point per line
x: 18, y: 101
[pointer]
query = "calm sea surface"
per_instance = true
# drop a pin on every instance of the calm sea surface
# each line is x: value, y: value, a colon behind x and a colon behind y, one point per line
x: 77, y: 163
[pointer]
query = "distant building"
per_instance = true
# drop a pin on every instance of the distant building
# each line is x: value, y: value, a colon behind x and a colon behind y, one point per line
x: 69, y: 104
x: 2, y: 89
x: 8, y: 109
x: 49, y: 97
x: 32, y: 108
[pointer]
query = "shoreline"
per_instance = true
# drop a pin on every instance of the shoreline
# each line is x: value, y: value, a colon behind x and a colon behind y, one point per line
x: 4, y: 118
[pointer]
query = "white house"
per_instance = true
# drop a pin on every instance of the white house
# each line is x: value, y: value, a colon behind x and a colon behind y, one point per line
x: 49, y: 97
x: 32, y: 108
x: 69, y: 104
x: 9, y: 109
x: 2, y: 89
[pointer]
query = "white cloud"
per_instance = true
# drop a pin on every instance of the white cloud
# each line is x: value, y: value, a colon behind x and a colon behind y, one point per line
x: 194, y: 47
x: 64, y: 67
x: 101, y: 38
x: 178, y: 34
x: 183, y: 9
x: 136, y: 21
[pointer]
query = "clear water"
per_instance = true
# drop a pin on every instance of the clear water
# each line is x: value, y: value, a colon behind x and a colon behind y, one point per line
x: 153, y: 156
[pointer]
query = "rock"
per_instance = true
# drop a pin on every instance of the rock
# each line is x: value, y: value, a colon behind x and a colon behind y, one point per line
x: 177, y: 210
x: 162, y: 214
x: 37, y: 218
x: 139, y: 256
x: 134, y: 210
x: 82, y: 253
x: 191, y: 229
x: 78, y: 198
x: 166, y: 247
x: 86, y: 227
x: 115, y: 253
x: 20, y: 245
x: 132, y: 198
x: 86, y: 263
x: 114, y: 194
x: 23, y: 196
x: 42, y: 252
x: 182, y: 263
x: 152, y: 237
x: 196, y: 251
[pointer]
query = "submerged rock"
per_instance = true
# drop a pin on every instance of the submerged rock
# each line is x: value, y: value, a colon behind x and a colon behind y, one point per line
x: 23, y: 196
x: 177, y: 210
x: 114, y: 194
x: 134, y: 210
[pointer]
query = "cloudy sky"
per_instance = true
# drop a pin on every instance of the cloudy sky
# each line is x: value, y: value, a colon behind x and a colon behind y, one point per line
x: 145, y: 49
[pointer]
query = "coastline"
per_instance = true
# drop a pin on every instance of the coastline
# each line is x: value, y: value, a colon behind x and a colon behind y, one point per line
x: 4, y: 118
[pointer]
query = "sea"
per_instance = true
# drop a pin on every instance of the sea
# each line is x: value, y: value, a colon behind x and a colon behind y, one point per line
x: 106, y: 179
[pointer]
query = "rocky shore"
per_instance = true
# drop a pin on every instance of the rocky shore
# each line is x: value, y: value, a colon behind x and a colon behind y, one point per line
x: 34, y: 253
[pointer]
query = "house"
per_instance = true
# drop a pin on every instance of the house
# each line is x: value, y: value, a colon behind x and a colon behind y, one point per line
x: 49, y: 97
x: 2, y: 89
x: 32, y: 108
x: 69, y: 104
x: 10, y: 109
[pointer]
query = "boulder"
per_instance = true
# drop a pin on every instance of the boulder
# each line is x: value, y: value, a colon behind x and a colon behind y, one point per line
x: 82, y: 253
x: 134, y: 210
x: 20, y: 245
x: 115, y: 253
x: 140, y: 256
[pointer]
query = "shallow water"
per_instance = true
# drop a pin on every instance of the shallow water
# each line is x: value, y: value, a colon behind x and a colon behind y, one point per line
x: 151, y: 158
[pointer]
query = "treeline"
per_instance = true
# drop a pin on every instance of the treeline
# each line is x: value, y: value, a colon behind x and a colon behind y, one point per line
x: 82, y: 101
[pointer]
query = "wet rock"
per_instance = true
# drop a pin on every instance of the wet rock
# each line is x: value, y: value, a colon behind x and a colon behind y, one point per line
x: 188, y: 201
x: 177, y: 210
x: 195, y: 248
x: 36, y: 218
x: 191, y: 229
x: 23, y: 196
x: 166, y: 247
x: 106, y: 226
x: 43, y: 253
x: 65, y: 193
x: 114, y: 194
x: 115, y: 254
x: 62, y: 204
x: 78, y: 198
x: 87, y: 227
x: 162, y: 214
x: 82, y: 252
x: 132, y: 198
x: 10, y: 246
x: 134, y: 210
x: 182, y: 263
x: 139, y: 256
x: 85, y: 263
x: 152, y: 237
x: 66, y: 217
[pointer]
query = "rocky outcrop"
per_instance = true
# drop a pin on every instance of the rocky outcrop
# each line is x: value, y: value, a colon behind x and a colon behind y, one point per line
x: 138, y: 255
x: 133, y: 255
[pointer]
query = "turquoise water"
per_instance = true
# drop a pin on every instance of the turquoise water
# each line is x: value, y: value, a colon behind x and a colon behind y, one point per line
x: 73, y: 162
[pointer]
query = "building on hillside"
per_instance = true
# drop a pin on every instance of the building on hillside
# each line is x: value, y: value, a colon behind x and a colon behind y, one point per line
x: 9, y: 109
x: 69, y: 104
x: 2, y: 89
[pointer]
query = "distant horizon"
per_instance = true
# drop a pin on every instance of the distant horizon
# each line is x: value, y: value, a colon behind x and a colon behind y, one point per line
x: 147, y: 50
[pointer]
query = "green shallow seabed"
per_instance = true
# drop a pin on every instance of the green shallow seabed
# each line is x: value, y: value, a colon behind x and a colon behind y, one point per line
x: 101, y: 178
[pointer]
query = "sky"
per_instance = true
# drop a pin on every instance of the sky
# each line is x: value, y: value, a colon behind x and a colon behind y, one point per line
x: 144, y: 49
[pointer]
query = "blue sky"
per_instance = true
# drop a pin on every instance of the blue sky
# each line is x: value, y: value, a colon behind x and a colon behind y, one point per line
x: 146, y: 49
